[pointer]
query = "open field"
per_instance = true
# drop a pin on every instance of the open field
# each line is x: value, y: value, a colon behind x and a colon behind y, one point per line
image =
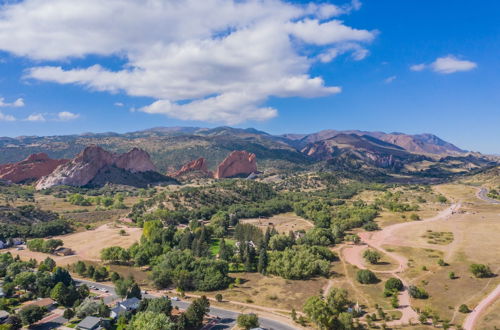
x: 87, y: 245
x: 283, y: 223
x: 491, y: 318
x: 425, y: 198
x: 480, y: 245
x: 271, y: 291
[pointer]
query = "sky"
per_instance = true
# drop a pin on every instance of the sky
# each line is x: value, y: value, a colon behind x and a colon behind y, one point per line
x: 408, y: 66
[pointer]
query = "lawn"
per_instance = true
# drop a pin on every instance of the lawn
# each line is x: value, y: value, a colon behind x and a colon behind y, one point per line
x: 215, y: 246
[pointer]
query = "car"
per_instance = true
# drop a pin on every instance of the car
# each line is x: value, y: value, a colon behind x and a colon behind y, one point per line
x: 103, y: 290
x: 176, y: 299
x: 144, y: 291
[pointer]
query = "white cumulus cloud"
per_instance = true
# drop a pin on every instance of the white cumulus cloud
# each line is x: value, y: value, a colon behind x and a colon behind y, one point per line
x: 418, y: 67
x: 4, y: 117
x: 36, y: 117
x: 451, y: 64
x: 210, y: 60
x: 66, y: 115
x: 446, y: 65
x: 16, y: 104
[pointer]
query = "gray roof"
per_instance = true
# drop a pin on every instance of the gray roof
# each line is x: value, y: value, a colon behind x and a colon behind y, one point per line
x: 89, y: 322
x: 130, y: 302
x: 3, y: 314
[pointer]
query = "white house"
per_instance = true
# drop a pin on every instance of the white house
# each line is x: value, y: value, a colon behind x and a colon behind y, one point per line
x: 127, y: 305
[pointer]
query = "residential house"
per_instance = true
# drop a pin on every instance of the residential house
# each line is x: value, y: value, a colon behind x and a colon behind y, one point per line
x: 62, y: 251
x: 3, y: 245
x: 48, y: 303
x: 127, y: 305
x: 90, y: 323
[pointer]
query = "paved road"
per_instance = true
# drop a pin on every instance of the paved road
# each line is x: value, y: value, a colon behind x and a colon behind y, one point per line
x: 228, y: 318
x: 483, y: 194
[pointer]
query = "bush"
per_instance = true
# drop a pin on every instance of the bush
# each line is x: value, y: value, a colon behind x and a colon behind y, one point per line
x: 248, y: 321
x: 372, y: 256
x: 394, y: 284
x: 414, y: 217
x: 464, y: 309
x: 480, y: 270
x: 370, y: 226
x: 417, y: 293
x: 366, y: 276
x: 218, y: 297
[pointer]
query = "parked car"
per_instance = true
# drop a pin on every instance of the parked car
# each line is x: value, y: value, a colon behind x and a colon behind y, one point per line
x: 176, y: 299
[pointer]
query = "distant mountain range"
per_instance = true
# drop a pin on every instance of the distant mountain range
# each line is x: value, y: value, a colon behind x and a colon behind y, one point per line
x: 172, y: 147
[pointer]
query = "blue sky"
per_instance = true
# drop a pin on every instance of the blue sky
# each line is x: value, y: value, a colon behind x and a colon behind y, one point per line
x: 457, y: 97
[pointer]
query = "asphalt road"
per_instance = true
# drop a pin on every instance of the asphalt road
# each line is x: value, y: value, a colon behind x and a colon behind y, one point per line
x: 228, y: 318
x: 483, y: 194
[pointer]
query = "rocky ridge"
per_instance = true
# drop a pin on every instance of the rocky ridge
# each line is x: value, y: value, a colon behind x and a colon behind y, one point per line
x: 30, y: 169
x: 195, y: 166
x: 92, y: 160
x: 238, y: 162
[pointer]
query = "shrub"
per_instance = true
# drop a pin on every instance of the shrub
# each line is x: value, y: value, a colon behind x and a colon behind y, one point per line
x: 372, y: 256
x: 218, y: 297
x: 394, y: 284
x: 248, y: 321
x: 366, y: 276
x: 480, y: 270
x: 464, y: 309
x: 417, y: 293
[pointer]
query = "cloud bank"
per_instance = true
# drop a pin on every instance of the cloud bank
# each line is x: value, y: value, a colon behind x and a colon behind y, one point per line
x: 210, y: 60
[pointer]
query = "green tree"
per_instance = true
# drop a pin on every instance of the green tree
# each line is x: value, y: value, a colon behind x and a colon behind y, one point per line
x: 80, y: 268
x: 151, y: 321
x: 32, y: 314
x: 372, y: 256
x: 248, y: 321
x: 480, y: 270
x: 394, y: 284
x: 197, y: 311
x: 330, y: 312
x: 365, y: 276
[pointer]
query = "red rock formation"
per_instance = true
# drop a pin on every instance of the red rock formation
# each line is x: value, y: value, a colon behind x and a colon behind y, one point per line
x: 237, y: 163
x: 136, y: 160
x: 198, y: 165
x: 84, y: 167
x: 32, y: 168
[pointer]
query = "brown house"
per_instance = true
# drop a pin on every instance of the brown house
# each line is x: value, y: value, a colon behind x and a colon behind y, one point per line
x: 63, y: 252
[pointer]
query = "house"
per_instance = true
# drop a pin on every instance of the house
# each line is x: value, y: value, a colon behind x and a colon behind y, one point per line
x: 3, y: 316
x: 3, y: 245
x: 62, y: 251
x: 90, y: 323
x: 250, y: 243
x: 127, y: 305
x: 48, y: 303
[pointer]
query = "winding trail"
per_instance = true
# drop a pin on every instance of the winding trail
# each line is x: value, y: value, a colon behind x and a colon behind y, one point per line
x: 473, y: 316
x: 376, y: 240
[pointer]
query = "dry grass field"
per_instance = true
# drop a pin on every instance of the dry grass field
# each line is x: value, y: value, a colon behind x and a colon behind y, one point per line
x: 475, y: 231
x: 283, y: 223
x: 271, y: 291
x: 87, y: 245
x: 491, y: 318
x: 426, y: 199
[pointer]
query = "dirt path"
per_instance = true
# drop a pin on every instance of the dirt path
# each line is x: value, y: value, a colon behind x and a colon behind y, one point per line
x: 376, y: 240
x: 473, y: 317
